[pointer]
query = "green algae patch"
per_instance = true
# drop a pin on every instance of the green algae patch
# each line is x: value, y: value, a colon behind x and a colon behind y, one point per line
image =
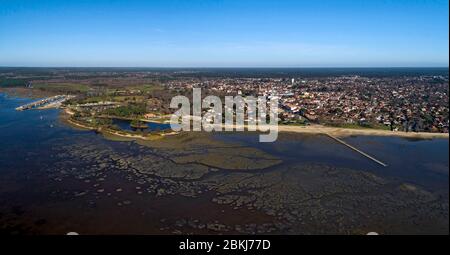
x: 240, y: 158
x: 202, y: 148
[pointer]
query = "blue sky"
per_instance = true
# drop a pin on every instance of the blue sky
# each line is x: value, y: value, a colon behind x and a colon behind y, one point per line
x: 245, y: 33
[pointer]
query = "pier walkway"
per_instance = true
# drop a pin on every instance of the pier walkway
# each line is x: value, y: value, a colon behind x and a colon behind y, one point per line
x: 357, y: 150
x: 48, y: 102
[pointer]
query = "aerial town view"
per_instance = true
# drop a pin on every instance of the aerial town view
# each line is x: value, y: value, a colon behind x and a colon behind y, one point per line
x: 91, y: 143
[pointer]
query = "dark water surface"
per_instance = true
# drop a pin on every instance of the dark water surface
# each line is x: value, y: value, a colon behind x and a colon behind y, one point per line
x: 34, y: 200
x: 422, y: 162
x: 152, y: 126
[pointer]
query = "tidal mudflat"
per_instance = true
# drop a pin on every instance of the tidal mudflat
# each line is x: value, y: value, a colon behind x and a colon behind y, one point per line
x: 56, y: 179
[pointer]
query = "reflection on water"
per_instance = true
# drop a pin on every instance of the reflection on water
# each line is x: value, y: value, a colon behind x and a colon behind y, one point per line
x: 152, y: 126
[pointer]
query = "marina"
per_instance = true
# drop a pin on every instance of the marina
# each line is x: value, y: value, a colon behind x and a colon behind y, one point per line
x: 49, y: 102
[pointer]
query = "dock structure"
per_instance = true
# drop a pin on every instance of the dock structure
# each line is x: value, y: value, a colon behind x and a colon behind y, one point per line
x: 357, y: 150
x: 53, y: 101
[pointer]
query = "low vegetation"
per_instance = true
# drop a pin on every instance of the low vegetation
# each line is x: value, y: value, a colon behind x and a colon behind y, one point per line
x: 130, y: 110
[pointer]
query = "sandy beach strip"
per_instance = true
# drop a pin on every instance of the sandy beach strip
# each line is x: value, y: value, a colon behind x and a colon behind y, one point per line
x: 343, y: 132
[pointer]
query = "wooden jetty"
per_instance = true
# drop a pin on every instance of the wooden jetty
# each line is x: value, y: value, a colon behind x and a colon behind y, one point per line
x: 357, y: 150
x: 43, y: 102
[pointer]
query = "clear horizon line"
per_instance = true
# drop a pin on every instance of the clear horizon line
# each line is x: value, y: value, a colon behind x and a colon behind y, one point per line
x: 225, y: 67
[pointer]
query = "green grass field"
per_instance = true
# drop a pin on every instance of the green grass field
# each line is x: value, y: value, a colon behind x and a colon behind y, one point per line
x: 62, y: 87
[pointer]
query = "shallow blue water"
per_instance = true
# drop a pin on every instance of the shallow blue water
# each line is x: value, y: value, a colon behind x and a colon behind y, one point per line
x: 421, y: 162
x: 28, y: 137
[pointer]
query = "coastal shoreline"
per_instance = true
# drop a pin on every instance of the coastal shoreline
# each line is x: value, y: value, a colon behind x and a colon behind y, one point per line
x: 69, y: 121
x: 310, y: 129
x: 313, y: 129
x: 345, y: 132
